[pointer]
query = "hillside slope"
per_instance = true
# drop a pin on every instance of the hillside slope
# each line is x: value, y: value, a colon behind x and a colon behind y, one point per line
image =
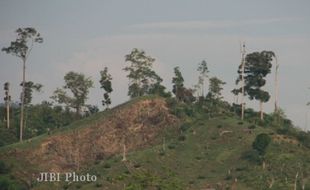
x: 192, y: 151
x: 137, y: 124
x: 211, y: 154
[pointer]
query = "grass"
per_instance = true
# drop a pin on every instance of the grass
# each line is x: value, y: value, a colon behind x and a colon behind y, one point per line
x: 202, y: 158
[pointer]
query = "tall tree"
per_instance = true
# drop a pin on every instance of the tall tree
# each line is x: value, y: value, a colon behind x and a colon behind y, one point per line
x: 106, y: 84
x: 181, y: 93
x: 21, y: 47
x: 142, y: 79
x: 240, y: 79
x: 79, y: 85
x: 198, y: 87
x: 276, y: 85
x: 257, y: 66
x: 203, y: 74
x: 178, y: 83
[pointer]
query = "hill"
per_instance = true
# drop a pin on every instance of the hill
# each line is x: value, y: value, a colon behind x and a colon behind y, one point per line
x: 168, y: 147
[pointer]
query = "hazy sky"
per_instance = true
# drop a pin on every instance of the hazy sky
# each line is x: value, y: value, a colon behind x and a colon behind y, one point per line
x: 85, y: 36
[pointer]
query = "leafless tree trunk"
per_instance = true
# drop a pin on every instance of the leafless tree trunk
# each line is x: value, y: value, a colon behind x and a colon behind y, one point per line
x: 164, y: 144
x: 276, y: 87
x: 271, y: 183
x: 261, y: 110
x: 124, y: 153
x: 242, y: 79
x: 264, y: 164
x: 8, y: 108
x: 295, y: 184
x: 22, y: 103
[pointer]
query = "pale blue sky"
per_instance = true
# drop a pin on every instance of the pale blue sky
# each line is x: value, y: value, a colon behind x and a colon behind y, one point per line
x: 87, y: 35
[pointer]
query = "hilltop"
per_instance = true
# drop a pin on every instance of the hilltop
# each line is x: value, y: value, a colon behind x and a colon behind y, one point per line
x: 169, y: 145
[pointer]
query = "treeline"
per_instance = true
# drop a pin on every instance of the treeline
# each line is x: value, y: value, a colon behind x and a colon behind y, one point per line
x: 69, y: 101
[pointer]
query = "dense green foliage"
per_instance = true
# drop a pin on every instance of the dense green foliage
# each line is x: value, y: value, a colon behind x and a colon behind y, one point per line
x: 40, y: 118
x: 261, y: 142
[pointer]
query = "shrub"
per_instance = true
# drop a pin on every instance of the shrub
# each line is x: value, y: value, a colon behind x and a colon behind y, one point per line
x: 201, y: 177
x: 107, y: 165
x: 98, y: 184
x: 161, y: 153
x: 252, y: 127
x: 3, y: 168
x: 66, y: 186
x: 304, y: 138
x: 189, y: 111
x: 137, y: 165
x: 4, y: 183
x: 228, y: 177
x: 261, y: 142
x: 171, y: 102
x: 251, y: 156
x: 182, y: 138
x: 191, y: 182
x: 184, y: 127
x: 171, y: 146
x: 78, y: 186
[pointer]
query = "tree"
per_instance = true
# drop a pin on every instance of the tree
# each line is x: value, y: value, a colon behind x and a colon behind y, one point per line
x: 29, y: 88
x: 92, y: 109
x: 181, y: 93
x: 257, y: 66
x: 215, y: 88
x: 142, y: 79
x: 203, y: 74
x: 7, y: 100
x: 260, y: 144
x: 198, y: 87
x: 276, y: 84
x: 178, y: 83
x: 79, y: 85
x: 21, y: 47
x: 106, y: 84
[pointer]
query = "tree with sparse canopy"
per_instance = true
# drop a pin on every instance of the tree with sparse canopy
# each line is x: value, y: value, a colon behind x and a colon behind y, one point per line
x: 215, y: 88
x: 181, y: 93
x: 21, y: 47
x: 29, y: 88
x: 143, y: 80
x: 257, y: 66
x: 79, y: 85
x: 178, y: 83
x: 203, y: 74
x: 106, y: 84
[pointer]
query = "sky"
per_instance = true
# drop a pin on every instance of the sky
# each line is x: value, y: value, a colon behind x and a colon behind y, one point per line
x: 87, y: 35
